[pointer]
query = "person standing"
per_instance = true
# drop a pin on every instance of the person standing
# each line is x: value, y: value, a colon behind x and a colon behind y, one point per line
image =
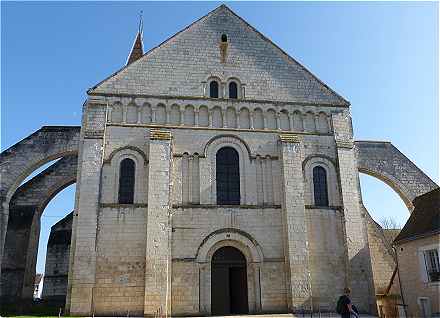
x: 344, y: 306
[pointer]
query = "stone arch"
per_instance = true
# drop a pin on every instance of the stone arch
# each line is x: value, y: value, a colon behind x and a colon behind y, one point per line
x: 146, y: 113
x: 246, y: 245
x: 217, y: 117
x: 116, y: 112
x: 244, y: 118
x: 384, y: 161
x: 237, y: 82
x: 23, y: 229
x: 132, y: 113
x: 271, y: 119
x: 219, y: 83
x: 332, y: 179
x: 284, y: 120
x: 203, y: 116
x: 161, y: 114
x: 20, y: 160
x: 298, y: 123
x: 323, y: 126
x: 309, y: 122
x: 231, y: 117
x: 258, y: 118
x: 206, y: 248
x: 111, y: 171
x: 210, y: 151
x: 175, y: 116
x: 189, y: 116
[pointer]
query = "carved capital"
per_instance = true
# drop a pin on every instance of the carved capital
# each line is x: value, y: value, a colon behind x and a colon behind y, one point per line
x: 156, y: 134
x: 290, y: 138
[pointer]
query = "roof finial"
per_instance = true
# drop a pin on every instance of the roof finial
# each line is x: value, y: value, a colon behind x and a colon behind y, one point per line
x: 141, y: 22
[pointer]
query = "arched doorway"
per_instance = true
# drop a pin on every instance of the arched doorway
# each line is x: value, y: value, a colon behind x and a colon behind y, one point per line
x: 229, y: 291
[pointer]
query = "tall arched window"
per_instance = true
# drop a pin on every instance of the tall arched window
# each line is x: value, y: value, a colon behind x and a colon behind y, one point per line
x: 213, y: 89
x: 126, y: 181
x: 320, y: 186
x: 228, y: 176
x: 233, y: 90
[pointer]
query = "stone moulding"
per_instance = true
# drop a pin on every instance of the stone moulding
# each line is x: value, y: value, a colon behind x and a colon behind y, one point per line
x: 290, y: 138
x: 156, y: 134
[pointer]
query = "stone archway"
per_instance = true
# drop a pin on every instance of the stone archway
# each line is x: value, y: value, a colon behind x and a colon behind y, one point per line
x: 23, y: 228
x: 248, y: 247
x: 384, y: 161
x: 21, y: 159
x: 229, y: 282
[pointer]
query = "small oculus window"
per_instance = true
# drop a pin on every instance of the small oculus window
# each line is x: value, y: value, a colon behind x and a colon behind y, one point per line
x: 224, y: 38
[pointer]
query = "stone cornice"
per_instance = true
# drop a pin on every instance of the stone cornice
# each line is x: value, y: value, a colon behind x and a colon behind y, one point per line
x: 219, y: 100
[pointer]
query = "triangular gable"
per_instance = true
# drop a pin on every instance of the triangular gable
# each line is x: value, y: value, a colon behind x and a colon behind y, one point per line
x: 179, y: 65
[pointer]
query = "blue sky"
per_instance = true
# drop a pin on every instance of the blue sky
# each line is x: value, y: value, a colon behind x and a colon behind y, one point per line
x: 382, y: 57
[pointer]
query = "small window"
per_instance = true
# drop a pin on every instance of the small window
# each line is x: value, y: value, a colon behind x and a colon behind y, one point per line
x: 320, y: 186
x: 213, y: 89
x: 224, y: 38
x: 228, y: 176
x: 432, y: 265
x: 126, y: 181
x: 233, y: 90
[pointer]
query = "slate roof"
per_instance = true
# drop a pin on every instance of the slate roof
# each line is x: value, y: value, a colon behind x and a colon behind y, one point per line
x: 424, y: 220
x: 138, y: 49
x: 179, y: 65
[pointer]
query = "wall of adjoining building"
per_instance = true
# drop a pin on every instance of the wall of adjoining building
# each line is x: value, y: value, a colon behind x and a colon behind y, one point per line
x: 57, y: 261
x: 413, y: 278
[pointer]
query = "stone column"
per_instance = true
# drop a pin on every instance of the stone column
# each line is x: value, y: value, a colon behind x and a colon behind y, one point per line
x: 158, y: 253
x: 87, y: 198
x: 359, y: 271
x: 295, y: 225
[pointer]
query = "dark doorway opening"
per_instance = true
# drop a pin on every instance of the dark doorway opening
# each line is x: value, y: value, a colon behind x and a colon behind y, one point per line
x: 228, y: 282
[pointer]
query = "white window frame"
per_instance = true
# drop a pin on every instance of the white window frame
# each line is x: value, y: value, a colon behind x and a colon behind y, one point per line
x: 422, y: 264
x: 428, y: 305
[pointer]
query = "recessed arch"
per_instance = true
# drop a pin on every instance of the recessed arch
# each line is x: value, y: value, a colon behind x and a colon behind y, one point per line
x: 238, y: 139
x: 248, y: 247
x: 122, y: 149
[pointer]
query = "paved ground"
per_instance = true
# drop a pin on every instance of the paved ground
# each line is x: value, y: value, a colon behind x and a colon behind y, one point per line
x: 322, y: 315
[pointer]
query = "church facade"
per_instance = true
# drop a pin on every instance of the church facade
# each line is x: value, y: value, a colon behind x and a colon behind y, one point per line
x: 228, y: 184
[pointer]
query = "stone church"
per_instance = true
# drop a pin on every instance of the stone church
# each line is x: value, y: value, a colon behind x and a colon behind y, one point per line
x: 215, y: 175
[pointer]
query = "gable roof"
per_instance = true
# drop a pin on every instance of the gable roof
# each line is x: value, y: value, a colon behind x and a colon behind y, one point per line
x: 424, y: 220
x: 179, y: 65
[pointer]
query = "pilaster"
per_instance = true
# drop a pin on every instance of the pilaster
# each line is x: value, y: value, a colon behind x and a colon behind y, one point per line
x: 158, y: 252
x: 85, y: 226
x: 295, y: 225
x: 359, y: 272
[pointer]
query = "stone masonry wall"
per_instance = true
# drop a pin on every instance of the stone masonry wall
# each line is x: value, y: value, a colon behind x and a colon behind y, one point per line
x: 57, y: 260
x: 413, y: 277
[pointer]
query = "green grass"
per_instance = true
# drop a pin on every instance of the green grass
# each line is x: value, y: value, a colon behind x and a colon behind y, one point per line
x: 36, y: 309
